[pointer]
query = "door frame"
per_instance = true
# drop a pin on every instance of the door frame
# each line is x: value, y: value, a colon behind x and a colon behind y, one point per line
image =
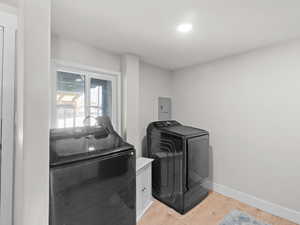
x: 9, y: 24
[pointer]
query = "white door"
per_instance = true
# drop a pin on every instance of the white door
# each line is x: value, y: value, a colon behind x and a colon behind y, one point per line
x: 7, y: 77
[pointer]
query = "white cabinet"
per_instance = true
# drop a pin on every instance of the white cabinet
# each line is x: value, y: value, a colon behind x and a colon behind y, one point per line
x: 143, y: 186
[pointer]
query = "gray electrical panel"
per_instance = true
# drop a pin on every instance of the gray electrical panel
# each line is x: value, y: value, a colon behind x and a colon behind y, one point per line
x: 164, y: 108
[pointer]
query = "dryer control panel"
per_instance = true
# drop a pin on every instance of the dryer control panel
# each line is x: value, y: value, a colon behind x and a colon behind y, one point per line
x: 167, y: 123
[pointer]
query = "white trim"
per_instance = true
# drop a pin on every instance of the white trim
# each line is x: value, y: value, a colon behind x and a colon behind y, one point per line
x: 84, y: 68
x: 9, y: 24
x: 53, y: 95
x: 90, y: 72
x: 251, y: 200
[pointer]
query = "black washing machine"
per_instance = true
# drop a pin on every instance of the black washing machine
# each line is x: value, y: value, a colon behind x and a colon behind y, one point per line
x: 92, y: 177
x: 181, y: 163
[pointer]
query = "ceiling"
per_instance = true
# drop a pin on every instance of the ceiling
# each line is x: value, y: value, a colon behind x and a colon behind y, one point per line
x: 13, y: 3
x: 148, y: 27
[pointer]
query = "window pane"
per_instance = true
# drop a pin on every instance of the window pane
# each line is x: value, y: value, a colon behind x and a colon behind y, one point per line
x: 69, y: 100
x: 100, y: 97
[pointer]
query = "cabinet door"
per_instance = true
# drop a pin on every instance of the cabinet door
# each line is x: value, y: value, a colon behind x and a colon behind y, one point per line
x: 146, y: 188
x: 139, y: 195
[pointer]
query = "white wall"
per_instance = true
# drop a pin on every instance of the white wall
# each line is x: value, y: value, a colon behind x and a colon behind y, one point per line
x: 33, y: 113
x: 250, y: 105
x: 8, y: 9
x: 130, y: 98
x: 76, y: 52
x: 154, y: 83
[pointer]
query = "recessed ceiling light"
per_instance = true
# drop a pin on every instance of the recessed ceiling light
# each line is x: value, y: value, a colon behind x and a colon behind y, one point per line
x: 184, y: 27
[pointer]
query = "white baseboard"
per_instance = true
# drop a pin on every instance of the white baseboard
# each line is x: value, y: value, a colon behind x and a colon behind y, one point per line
x: 266, y: 206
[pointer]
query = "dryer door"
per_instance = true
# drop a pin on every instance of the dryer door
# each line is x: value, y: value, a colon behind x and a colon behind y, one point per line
x: 197, y: 160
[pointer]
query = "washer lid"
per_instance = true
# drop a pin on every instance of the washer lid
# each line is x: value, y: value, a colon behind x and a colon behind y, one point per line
x: 76, y: 144
x: 186, y: 131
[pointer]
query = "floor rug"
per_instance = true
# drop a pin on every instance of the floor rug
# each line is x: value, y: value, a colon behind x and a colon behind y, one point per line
x: 240, y: 218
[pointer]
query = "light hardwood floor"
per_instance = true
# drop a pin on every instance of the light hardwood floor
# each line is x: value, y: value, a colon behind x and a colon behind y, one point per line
x: 209, y: 212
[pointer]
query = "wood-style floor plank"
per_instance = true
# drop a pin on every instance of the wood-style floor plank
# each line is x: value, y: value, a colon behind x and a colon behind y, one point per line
x: 211, y: 211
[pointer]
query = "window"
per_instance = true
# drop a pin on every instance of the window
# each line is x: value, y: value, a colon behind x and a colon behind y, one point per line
x: 70, y: 100
x: 100, y: 97
x: 80, y: 94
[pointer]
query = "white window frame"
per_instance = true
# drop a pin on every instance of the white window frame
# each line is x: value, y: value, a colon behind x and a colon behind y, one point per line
x: 89, y: 72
